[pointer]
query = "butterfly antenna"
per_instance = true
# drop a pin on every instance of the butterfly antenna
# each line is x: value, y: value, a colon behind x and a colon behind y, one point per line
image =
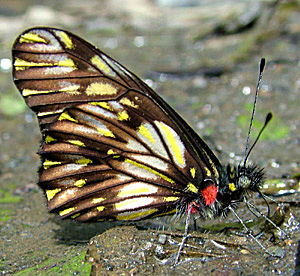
x: 261, y: 69
x: 268, y: 119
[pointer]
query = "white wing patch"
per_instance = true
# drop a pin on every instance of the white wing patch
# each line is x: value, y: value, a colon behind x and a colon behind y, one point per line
x: 139, y: 171
x: 137, y: 189
x: 136, y: 146
x: 94, y: 109
x: 133, y: 203
x: 116, y: 105
x: 151, y: 161
x: 149, y: 136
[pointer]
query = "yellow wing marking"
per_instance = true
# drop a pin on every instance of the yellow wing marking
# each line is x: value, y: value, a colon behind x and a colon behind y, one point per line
x: 100, y: 208
x: 49, y: 139
x: 66, y: 211
x: 98, y: 200
x: 65, y: 39
x: 47, y: 163
x: 193, y: 172
x: 111, y: 151
x: 212, y: 165
x: 75, y: 215
x: 146, y: 133
x: 102, y: 104
x: 65, y: 116
x: 192, y: 188
x: 72, y: 89
x: 31, y: 38
x: 66, y: 63
x: 41, y: 114
x: 106, y: 132
x: 208, y: 172
x: 170, y: 198
x: 84, y: 161
x: 99, y: 88
x: 79, y: 183
x: 136, y: 215
x: 77, y: 143
x: 126, y: 101
x: 123, y: 116
x: 96, y: 60
x: 21, y: 64
x: 51, y: 193
x: 231, y: 187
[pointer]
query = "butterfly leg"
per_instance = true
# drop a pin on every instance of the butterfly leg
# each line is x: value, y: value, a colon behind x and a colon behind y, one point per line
x: 195, y: 224
x: 250, y: 233
x: 267, y: 218
x: 186, y: 235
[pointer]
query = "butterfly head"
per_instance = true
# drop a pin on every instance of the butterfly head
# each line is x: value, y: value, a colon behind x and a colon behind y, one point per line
x: 238, y: 182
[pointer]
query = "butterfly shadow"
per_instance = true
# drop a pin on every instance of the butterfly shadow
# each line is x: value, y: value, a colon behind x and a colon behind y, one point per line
x: 72, y: 232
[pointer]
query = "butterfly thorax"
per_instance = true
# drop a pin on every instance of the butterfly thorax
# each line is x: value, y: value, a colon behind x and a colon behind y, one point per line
x: 237, y: 182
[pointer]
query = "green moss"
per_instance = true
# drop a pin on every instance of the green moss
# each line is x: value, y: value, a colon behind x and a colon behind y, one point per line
x: 7, y: 197
x: 273, y: 181
x: 296, y: 176
x: 69, y: 265
x: 219, y: 227
x: 5, y: 215
x: 208, y: 131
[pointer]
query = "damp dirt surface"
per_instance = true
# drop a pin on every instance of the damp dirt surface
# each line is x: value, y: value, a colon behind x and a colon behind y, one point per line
x: 203, y: 60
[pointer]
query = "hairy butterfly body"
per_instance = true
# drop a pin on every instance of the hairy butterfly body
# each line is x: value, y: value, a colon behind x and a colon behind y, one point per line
x: 111, y: 147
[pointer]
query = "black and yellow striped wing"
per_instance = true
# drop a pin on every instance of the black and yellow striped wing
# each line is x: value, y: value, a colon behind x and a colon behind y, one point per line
x: 111, y: 148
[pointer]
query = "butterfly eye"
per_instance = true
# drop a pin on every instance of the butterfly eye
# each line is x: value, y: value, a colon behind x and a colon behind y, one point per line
x: 244, y: 182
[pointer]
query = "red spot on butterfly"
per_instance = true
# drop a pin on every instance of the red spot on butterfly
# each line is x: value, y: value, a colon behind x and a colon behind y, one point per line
x: 209, y: 194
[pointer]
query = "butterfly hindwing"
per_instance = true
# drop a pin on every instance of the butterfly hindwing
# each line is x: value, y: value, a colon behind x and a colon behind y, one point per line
x: 112, y: 148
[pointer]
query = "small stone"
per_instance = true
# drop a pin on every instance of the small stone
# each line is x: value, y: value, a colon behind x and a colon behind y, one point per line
x: 162, y: 238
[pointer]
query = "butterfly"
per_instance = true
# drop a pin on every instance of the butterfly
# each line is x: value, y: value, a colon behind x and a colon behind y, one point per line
x: 112, y: 148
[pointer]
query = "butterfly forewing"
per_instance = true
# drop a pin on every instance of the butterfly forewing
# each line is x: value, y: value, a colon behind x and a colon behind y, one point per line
x: 112, y: 148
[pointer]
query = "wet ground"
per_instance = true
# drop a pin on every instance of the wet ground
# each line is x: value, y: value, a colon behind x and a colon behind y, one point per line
x: 203, y: 60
